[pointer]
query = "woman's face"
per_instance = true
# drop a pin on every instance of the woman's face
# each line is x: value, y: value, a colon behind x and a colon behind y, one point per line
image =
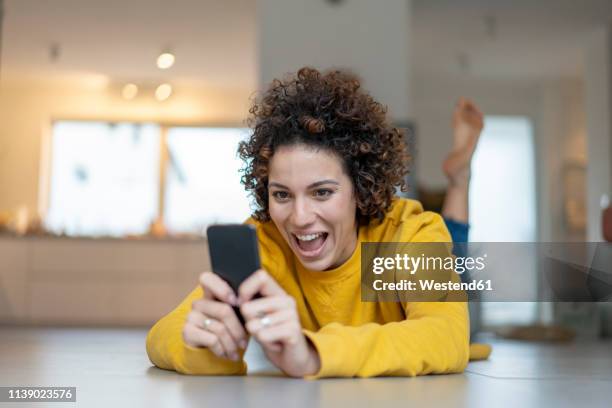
x: 311, y: 201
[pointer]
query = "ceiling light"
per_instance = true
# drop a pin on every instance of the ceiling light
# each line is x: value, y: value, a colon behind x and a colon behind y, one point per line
x: 490, y: 26
x: 129, y: 91
x: 163, y: 92
x: 165, y: 60
x: 55, y: 50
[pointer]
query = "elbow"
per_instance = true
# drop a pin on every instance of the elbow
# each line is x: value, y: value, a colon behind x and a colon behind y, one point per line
x: 154, y: 348
x: 455, y: 339
x: 460, y: 339
x: 149, y: 345
x: 463, y: 354
x: 456, y: 354
x: 167, y: 350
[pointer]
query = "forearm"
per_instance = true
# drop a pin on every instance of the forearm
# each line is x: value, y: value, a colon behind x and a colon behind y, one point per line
x: 434, y: 339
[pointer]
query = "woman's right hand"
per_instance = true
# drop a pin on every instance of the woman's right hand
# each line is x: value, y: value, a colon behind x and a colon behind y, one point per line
x: 212, y: 323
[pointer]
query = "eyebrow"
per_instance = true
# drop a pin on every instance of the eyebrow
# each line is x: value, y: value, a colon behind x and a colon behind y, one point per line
x: 313, y: 185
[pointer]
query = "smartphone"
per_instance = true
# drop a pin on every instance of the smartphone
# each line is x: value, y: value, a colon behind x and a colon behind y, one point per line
x: 234, y: 254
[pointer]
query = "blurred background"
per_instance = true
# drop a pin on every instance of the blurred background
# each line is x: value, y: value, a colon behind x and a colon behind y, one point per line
x: 119, y: 122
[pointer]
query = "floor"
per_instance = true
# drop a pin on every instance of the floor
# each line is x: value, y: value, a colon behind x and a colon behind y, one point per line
x: 109, y: 368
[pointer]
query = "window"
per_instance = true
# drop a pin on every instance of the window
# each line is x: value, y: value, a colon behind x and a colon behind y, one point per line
x: 203, y: 180
x: 502, y: 187
x: 105, y: 178
x: 503, y: 200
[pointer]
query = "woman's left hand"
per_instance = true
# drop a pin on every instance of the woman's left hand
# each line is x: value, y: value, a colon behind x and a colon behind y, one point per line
x: 274, y: 322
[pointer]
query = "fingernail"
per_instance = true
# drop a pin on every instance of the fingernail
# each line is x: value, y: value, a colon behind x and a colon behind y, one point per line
x: 242, y: 344
x: 234, y: 356
x: 232, y: 299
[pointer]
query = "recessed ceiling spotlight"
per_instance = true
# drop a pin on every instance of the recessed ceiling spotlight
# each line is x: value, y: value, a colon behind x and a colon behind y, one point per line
x: 490, y: 26
x: 55, y: 50
x: 163, y: 92
x: 165, y: 60
x: 129, y: 91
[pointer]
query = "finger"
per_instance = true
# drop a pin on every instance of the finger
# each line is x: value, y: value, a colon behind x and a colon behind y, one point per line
x: 257, y: 307
x: 256, y: 324
x: 214, y: 326
x: 215, y: 287
x: 225, y: 314
x: 273, y: 347
x: 197, y: 320
x: 287, y: 333
x: 259, y: 282
x: 230, y: 347
x: 197, y: 337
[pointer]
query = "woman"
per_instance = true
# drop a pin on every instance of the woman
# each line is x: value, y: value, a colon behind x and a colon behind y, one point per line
x: 323, y: 165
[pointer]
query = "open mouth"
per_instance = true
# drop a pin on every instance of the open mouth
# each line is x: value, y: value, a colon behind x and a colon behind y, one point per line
x: 310, y: 245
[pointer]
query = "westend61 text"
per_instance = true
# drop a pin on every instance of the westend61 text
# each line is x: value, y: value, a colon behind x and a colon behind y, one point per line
x: 430, y: 284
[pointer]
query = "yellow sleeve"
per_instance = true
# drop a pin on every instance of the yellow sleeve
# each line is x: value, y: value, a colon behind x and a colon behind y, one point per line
x: 434, y: 337
x: 166, y: 348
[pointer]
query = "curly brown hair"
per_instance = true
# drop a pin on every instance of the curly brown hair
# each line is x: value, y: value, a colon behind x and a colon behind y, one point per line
x: 326, y: 111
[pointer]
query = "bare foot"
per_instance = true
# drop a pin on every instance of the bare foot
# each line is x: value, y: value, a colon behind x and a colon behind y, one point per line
x: 467, y: 125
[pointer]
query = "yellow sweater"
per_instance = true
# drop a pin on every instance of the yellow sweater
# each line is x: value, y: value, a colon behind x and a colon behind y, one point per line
x: 353, y: 338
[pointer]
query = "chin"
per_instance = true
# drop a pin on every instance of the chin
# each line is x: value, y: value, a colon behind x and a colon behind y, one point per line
x: 316, y: 265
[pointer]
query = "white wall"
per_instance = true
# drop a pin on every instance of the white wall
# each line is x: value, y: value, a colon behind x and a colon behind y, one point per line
x: 369, y: 37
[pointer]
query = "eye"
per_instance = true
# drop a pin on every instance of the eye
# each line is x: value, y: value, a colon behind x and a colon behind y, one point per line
x: 280, y: 195
x: 323, y: 193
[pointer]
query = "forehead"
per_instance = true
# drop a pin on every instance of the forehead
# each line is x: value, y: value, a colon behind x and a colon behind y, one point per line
x: 299, y: 165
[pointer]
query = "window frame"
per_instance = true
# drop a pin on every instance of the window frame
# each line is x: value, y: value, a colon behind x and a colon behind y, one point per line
x: 46, y: 154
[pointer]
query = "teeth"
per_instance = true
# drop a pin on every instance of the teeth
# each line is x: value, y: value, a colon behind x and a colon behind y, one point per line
x: 309, y: 237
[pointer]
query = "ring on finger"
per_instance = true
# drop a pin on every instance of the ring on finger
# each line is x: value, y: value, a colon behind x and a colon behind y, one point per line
x: 206, y: 324
x: 265, y: 321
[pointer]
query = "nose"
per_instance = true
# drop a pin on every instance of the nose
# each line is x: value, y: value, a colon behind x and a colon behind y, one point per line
x: 302, y: 213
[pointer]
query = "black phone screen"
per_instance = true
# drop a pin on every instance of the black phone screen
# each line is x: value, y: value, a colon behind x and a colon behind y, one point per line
x: 234, y: 253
